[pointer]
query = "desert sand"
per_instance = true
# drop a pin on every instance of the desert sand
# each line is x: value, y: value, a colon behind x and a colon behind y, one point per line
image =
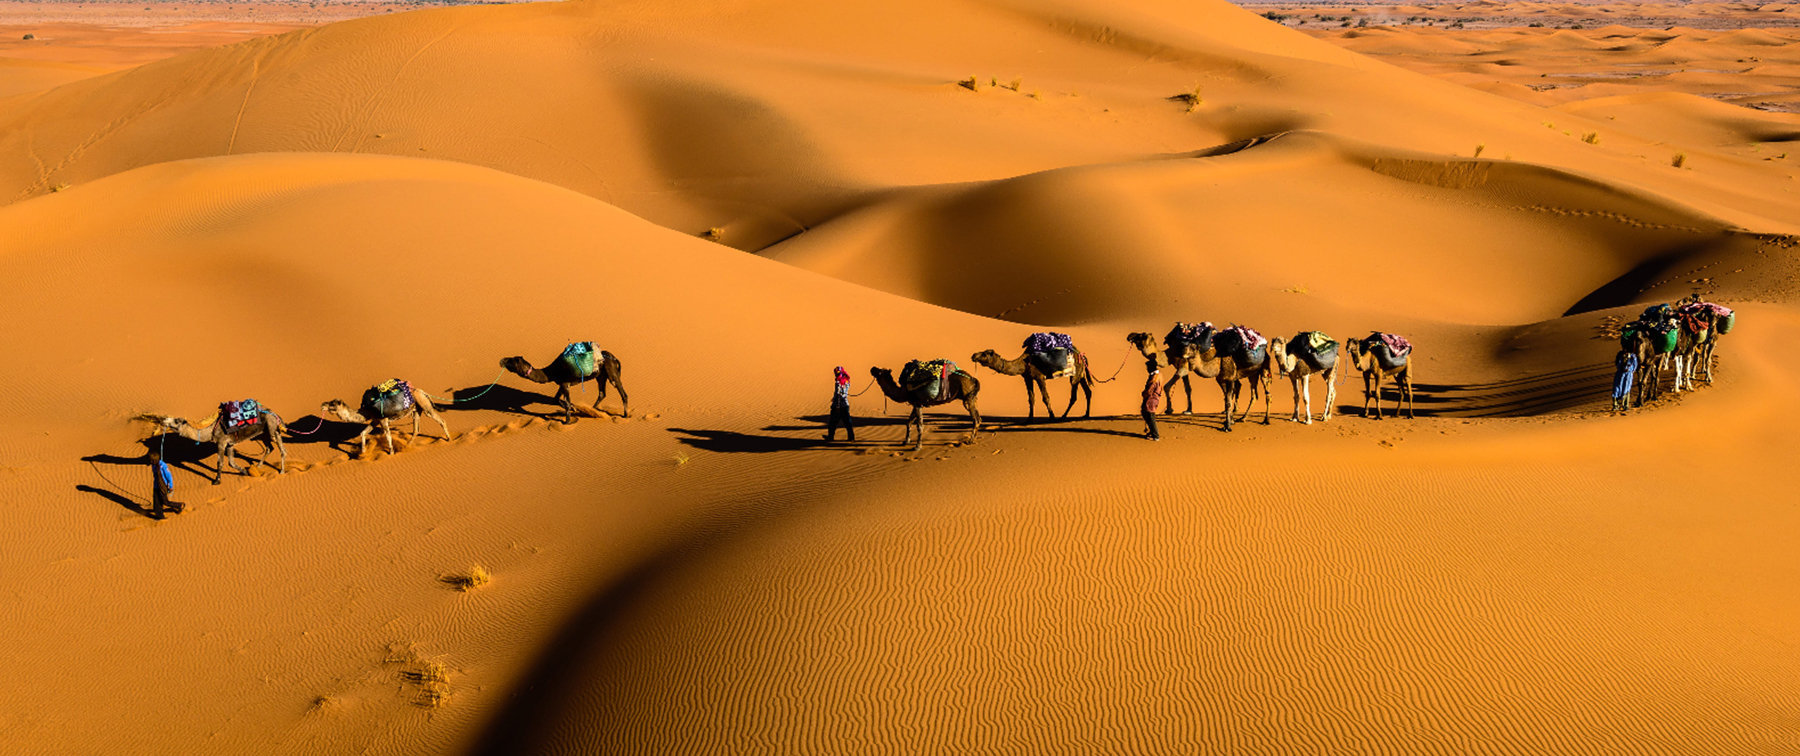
x: 733, y: 198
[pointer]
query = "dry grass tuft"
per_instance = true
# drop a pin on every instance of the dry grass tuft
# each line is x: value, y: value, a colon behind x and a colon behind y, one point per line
x: 1191, y: 99
x: 1479, y: 148
x: 1592, y: 137
x: 972, y: 84
x: 1680, y: 160
x: 681, y: 459
x: 476, y: 577
x: 713, y: 234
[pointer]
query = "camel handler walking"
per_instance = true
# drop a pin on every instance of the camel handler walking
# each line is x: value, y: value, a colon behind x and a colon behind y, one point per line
x: 840, y: 407
x: 1153, y: 391
x: 161, y: 483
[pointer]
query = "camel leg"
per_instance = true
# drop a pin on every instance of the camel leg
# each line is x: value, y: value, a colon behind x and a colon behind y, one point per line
x: 1030, y: 401
x: 362, y: 441
x: 918, y: 416
x: 974, y: 415
x: 1226, y: 391
x: 1330, y: 394
x: 1268, y: 388
x: 1169, y: 391
x: 1365, y: 377
x: 224, y: 448
x: 1074, y: 391
x: 618, y: 382
x: 1187, y: 387
x: 415, y: 433
x: 387, y: 435
x: 1302, y: 398
x: 562, y: 398
x: 1378, y: 377
x: 441, y: 424
x: 1043, y: 387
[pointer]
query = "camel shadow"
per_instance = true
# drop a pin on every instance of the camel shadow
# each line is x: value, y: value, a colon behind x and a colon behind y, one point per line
x: 1586, y: 386
x: 505, y: 399
x: 735, y: 442
x: 320, y: 430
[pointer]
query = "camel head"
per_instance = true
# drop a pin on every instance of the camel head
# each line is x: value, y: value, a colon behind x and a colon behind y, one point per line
x: 516, y: 365
x: 988, y: 358
x: 881, y: 372
x: 338, y: 409
x: 1145, y: 343
x: 1279, y: 358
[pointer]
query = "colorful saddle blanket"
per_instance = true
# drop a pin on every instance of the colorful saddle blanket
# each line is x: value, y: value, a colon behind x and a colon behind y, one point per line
x: 1657, y: 313
x: 1695, y: 315
x: 1316, y: 349
x: 1048, y: 341
x: 1243, y: 344
x: 1662, y: 334
x: 933, y: 377
x: 239, y: 414
x: 1190, y: 333
x: 389, y: 399
x: 1396, y: 344
x: 583, y: 357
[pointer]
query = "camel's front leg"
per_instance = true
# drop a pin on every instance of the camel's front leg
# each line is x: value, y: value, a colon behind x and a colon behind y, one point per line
x: 387, y: 435
x: 568, y: 407
x: 1031, y: 401
x: 415, y: 433
x: 1303, y: 397
x: 1330, y: 394
x: 1367, y: 392
x: 1169, y: 391
x: 224, y: 449
x: 441, y: 424
x: 362, y: 441
x: 918, y: 417
x: 1074, y: 389
x: 1407, y: 388
x: 1226, y: 390
x: 975, y: 415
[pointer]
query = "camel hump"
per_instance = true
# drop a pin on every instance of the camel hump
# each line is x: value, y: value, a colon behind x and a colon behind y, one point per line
x: 391, y: 397
x: 240, y: 413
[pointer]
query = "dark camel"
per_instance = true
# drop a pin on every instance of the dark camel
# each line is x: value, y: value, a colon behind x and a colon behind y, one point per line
x: 567, y: 377
x: 1038, y: 370
x: 267, y: 428
x: 962, y: 387
x: 1188, y: 359
x: 1373, y: 359
x: 384, y: 414
x: 1236, y: 367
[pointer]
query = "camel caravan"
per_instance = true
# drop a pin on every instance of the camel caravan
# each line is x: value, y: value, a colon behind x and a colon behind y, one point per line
x: 391, y: 401
x: 1671, y: 343
x: 1667, y: 341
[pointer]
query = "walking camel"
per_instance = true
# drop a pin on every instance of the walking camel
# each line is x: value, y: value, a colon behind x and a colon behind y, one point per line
x: 1378, y: 361
x: 1243, y: 358
x: 576, y: 365
x: 382, y: 405
x: 253, y: 423
x: 958, y: 386
x: 1188, y: 356
x: 1038, y: 367
x: 1299, y: 361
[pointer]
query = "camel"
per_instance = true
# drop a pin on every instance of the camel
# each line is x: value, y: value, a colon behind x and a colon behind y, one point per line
x: 378, y: 410
x: 266, y: 427
x: 1706, y: 322
x: 1299, y: 369
x: 1038, y: 368
x: 1647, y: 384
x: 1187, y: 358
x: 566, y: 374
x: 1373, y: 359
x: 962, y: 387
x: 1238, y: 365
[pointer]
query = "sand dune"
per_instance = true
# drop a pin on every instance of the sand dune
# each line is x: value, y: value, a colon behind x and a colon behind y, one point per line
x: 296, y: 217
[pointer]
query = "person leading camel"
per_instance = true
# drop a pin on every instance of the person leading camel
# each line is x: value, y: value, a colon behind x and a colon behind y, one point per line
x: 236, y: 423
x: 161, y: 484
x: 1153, y: 392
x: 1625, y: 366
x: 840, y: 407
x: 381, y: 405
x: 579, y: 363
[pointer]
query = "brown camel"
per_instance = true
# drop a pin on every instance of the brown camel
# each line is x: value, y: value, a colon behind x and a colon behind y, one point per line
x: 266, y: 427
x: 567, y: 372
x: 1647, y: 383
x: 1299, y: 365
x: 1377, y: 363
x: 380, y: 408
x: 962, y: 386
x: 1038, y: 368
x: 1188, y: 358
x: 1239, y: 364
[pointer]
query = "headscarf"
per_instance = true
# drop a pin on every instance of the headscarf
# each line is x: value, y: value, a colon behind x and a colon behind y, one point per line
x: 843, y: 377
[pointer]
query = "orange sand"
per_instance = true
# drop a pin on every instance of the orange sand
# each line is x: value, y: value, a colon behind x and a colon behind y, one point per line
x: 298, y: 216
